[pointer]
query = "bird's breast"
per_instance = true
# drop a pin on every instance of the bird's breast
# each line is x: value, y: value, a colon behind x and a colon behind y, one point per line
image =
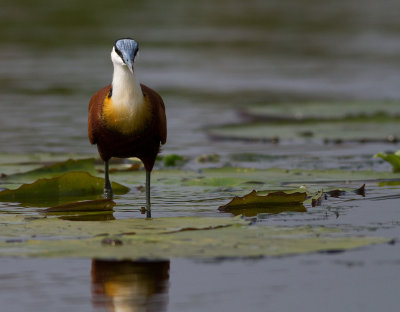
x: 128, y: 118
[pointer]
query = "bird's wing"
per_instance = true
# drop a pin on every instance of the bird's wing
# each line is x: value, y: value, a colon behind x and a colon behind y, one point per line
x: 158, y: 111
x: 163, y: 121
x: 95, y: 107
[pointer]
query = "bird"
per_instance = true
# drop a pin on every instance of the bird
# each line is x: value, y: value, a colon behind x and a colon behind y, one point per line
x: 127, y: 118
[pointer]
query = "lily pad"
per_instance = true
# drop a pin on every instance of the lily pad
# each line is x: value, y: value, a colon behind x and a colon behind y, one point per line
x: 18, y: 226
x: 322, y: 111
x: 52, y: 170
x: 233, y: 176
x: 326, y: 131
x: 165, y: 238
x: 337, y: 192
x: 393, y: 159
x: 84, y: 206
x: 273, y: 202
x: 173, y: 160
x: 316, y: 199
x: 61, y: 188
x: 252, y: 211
x: 106, y: 215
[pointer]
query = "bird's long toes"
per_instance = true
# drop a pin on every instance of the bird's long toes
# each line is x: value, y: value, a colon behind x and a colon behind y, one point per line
x: 108, y: 194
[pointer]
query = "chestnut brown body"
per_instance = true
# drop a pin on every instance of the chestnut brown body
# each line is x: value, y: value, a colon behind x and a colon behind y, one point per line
x: 143, y: 143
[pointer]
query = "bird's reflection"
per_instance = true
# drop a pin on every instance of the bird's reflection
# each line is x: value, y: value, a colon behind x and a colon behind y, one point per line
x: 130, y: 286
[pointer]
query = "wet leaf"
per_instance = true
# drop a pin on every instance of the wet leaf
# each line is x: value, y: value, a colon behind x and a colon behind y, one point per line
x: 85, y: 216
x: 165, y: 238
x: 273, y: 202
x: 272, y: 198
x: 337, y: 192
x: 360, y: 190
x: 67, y: 186
x: 87, y: 210
x: 84, y: 206
x: 393, y: 159
x: 55, y: 169
x: 252, y: 211
x: 316, y: 199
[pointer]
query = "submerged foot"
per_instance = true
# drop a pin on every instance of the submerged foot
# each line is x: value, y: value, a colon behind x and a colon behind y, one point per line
x: 108, y: 193
x: 148, y: 211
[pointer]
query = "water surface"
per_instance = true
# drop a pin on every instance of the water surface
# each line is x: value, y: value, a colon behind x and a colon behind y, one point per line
x: 208, y: 59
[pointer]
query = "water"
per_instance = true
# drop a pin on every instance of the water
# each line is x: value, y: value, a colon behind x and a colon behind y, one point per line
x: 205, y: 59
x: 208, y: 59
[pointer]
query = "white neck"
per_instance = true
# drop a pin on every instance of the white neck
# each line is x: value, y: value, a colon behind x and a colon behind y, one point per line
x: 127, y: 111
x: 126, y: 89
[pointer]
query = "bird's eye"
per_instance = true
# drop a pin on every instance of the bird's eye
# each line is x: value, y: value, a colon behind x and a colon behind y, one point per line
x: 118, y: 52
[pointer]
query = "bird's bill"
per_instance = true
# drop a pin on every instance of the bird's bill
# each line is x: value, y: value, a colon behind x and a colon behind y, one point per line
x: 130, y: 65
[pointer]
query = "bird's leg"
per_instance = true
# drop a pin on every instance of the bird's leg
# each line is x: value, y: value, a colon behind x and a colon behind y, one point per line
x: 148, y: 206
x: 108, y: 193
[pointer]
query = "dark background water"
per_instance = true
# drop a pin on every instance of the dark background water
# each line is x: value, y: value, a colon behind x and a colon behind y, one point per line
x: 207, y: 58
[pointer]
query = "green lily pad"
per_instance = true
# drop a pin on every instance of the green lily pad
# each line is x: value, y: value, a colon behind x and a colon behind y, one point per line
x: 87, y: 210
x: 326, y: 131
x: 18, y: 226
x: 252, y: 211
x: 65, y: 187
x: 323, y: 111
x: 232, y: 176
x: 165, y: 238
x: 173, y: 160
x: 52, y: 170
x: 86, y: 216
x: 273, y: 202
x: 316, y: 198
x: 84, y: 206
x: 393, y: 159
x: 337, y: 192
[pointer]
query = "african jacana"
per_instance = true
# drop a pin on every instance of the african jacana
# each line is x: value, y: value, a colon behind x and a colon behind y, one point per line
x: 126, y: 118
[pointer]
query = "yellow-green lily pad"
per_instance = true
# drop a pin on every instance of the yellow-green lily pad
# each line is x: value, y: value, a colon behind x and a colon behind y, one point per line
x: 53, y: 170
x: 84, y: 206
x: 323, y: 110
x: 165, y: 238
x: 393, y: 159
x: 322, y: 131
x: 238, y: 177
x: 272, y: 202
x: 60, y: 188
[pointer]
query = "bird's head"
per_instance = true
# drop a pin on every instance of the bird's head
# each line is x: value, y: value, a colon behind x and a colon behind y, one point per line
x: 124, y: 52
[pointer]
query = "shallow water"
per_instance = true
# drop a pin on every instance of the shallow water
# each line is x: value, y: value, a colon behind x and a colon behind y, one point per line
x: 349, y: 281
x: 208, y: 60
